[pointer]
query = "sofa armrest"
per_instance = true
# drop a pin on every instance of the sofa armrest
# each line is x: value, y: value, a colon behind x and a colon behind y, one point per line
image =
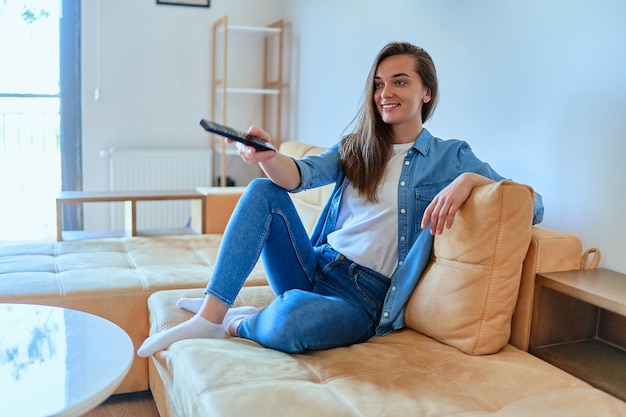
x: 549, y: 251
x: 219, y: 203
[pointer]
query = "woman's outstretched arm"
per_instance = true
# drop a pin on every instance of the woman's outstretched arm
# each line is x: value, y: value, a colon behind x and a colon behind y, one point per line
x: 281, y: 169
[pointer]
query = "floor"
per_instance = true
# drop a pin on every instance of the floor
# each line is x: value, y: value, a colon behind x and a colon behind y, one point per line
x: 137, y: 404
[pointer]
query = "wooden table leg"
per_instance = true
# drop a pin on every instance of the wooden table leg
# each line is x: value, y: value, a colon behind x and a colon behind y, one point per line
x: 59, y: 220
x: 133, y: 216
x: 205, y: 224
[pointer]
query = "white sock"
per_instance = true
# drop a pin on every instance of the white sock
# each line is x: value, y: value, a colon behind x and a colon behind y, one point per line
x: 233, y: 314
x: 190, y: 304
x: 237, y: 314
x: 195, y: 327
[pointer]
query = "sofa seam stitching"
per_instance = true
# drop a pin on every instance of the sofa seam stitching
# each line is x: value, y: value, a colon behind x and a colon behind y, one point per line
x: 497, y: 250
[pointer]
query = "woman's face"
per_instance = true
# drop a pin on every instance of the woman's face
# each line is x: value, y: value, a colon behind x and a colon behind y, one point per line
x: 399, y: 93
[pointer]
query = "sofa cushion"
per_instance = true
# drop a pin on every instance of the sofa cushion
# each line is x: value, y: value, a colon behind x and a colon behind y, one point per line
x: 403, y: 373
x: 309, y: 203
x: 111, y: 278
x: 466, y: 296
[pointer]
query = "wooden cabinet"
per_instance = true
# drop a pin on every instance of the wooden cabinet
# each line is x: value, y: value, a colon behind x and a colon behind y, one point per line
x: 255, y: 80
x: 579, y: 325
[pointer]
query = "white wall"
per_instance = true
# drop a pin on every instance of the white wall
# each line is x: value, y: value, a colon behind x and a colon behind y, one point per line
x: 151, y: 64
x: 537, y: 88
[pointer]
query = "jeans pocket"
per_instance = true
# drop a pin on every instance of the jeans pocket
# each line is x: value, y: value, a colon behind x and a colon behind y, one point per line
x: 372, y: 288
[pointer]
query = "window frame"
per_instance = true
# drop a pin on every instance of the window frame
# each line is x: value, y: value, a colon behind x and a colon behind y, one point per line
x: 71, y: 109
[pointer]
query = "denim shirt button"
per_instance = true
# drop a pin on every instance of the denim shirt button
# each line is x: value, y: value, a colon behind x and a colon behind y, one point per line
x: 393, y: 288
x: 400, y: 263
x: 402, y: 183
x: 385, y: 314
x: 402, y: 211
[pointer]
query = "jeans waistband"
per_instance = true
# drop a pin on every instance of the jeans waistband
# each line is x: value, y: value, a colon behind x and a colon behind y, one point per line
x: 328, y: 254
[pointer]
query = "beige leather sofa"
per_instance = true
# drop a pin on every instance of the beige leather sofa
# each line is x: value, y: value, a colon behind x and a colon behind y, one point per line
x: 113, y: 278
x: 438, y: 365
x: 463, y: 351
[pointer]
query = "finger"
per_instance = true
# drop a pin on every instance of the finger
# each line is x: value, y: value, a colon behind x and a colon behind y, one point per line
x: 259, y: 133
x: 245, y: 152
x: 427, y: 214
x: 436, y: 218
x: 451, y: 215
x: 241, y: 149
x: 446, y: 215
x: 254, y: 131
x: 430, y: 215
x: 441, y: 219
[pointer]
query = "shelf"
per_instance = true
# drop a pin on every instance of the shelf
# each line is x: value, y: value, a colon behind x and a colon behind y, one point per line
x: 270, y: 88
x: 243, y: 28
x: 96, y: 234
x: 239, y: 90
x: 601, y: 287
x: 170, y: 231
x: 93, y: 234
x: 579, y: 325
x: 130, y: 198
x: 593, y: 360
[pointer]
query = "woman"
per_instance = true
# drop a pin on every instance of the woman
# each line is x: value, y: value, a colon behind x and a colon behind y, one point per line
x: 352, y: 278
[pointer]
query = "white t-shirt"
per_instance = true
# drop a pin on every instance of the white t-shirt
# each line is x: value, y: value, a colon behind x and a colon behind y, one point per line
x: 367, y: 233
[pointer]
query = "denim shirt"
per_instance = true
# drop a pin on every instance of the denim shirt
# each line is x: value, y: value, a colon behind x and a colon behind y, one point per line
x: 429, y: 166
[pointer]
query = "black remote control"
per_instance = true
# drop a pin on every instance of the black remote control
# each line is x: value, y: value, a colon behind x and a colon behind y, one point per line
x: 257, y: 143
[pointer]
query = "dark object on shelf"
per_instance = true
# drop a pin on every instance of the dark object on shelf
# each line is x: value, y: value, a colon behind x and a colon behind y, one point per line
x: 229, y: 181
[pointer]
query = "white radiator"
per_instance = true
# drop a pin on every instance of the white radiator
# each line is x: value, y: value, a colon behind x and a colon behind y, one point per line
x: 157, y: 169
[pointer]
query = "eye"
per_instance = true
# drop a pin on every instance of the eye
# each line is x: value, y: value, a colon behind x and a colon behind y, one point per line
x: 377, y: 85
x: 400, y: 83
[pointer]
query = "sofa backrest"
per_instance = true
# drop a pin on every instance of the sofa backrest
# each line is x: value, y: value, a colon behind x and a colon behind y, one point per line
x: 309, y: 203
x: 550, y: 250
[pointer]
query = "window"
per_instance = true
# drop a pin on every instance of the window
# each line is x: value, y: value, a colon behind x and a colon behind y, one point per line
x: 39, y: 114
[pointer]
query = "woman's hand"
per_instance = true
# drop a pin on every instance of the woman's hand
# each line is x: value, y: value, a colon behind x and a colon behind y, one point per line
x: 248, y: 153
x: 281, y: 169
x: 441, y: 211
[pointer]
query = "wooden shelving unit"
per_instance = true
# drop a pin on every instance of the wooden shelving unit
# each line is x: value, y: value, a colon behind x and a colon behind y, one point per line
x: 271, y: 89
x: 579, y: 325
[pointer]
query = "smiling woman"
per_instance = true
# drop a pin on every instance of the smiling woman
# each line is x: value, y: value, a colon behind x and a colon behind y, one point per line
x: 30, y: 157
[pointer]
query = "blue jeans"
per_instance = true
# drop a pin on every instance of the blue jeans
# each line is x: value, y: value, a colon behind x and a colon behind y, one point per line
x: 323, y: 300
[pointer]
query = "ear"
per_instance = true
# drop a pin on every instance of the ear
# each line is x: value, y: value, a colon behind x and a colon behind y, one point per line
x: 428, y: 96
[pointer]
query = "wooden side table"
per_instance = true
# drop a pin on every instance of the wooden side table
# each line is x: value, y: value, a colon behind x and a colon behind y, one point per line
x: 579, y: 325
x: 131, y: 197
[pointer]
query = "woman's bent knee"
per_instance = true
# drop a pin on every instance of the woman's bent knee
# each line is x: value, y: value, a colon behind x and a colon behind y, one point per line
x: 264, y: 185
x: 298, y: 320
x: 279, y: 326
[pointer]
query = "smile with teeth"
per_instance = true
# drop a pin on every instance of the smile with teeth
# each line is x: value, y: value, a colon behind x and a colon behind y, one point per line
x: 389, y: 106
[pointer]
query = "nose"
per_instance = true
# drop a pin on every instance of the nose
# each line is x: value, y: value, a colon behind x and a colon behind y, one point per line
x: 386, y: 91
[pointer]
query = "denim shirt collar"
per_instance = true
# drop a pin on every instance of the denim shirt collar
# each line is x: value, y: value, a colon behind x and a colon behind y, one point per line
x: 423, y: 142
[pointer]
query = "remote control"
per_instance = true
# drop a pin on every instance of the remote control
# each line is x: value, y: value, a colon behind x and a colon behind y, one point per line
x: 257, y: 143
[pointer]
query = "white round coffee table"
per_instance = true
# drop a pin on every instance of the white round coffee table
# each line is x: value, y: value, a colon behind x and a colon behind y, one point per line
x: 58, y: 362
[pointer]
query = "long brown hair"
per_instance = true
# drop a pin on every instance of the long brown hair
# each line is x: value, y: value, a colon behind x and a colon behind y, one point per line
x: 365, y: 152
